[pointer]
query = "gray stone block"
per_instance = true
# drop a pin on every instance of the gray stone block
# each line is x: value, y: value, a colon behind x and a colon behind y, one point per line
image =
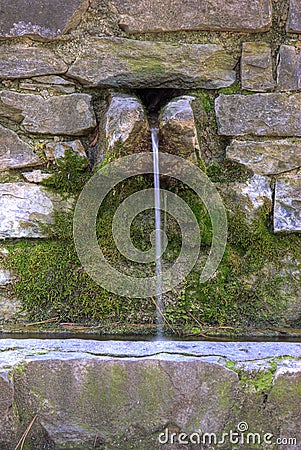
x: 59, y: 115
x: 259, y: 114
x: 270, y: 157
x: 172, y: 15
x: 178, y: 128
x: 124, y: 122
x: 21, y: 61
x: 40, y: 18
x: 25, y: 208
x: 287, y: 204
x: 15, y: 153
x: 294, y: 17
x: 117, y: 62
x: 289, y: 69
x: 256, y: 67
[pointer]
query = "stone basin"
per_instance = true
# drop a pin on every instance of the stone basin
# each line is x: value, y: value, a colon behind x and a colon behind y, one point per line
x: 134, y: 394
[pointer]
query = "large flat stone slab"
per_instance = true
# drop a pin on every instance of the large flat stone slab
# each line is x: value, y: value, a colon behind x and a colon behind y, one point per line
x: 63, y: 115
x: 25, y: 208
x: 21, y: 61
x: 259, y: 114
x: 287, y: 204
x: 40, y: 18
x: 294, y: 17
x: 172, y: 15
x: 118, y: 62
x: 15, y: 153
x: 138, y: 392
x: 270, y: 157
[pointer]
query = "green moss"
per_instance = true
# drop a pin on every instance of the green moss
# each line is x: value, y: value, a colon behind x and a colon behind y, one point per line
x: 233, y: 89
x: 242, y: 293
x: 71, y: 172
x: 259, y: 381
x: 207, y: 99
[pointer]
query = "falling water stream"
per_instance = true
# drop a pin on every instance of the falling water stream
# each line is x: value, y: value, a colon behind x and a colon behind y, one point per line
x: 159, y: 302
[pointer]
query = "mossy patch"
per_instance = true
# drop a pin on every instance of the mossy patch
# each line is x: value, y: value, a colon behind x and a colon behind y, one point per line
x: 71, y: 172
x: 247, y: 290
x: 258, y: 381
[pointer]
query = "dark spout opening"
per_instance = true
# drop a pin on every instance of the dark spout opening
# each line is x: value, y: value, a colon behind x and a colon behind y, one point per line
x: 154, y: 99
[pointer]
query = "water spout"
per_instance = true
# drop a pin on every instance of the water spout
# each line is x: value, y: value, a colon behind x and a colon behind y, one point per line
x: 159, y: 302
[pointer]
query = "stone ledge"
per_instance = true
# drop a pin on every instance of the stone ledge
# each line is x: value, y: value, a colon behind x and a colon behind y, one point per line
x: 120, y: 63
x: 129, y: 392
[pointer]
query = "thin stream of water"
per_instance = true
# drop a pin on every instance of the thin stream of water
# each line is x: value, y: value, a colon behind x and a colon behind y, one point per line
x: 159, y: 302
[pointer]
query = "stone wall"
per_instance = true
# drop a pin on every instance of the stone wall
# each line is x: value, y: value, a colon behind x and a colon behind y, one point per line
x: 70, y: 70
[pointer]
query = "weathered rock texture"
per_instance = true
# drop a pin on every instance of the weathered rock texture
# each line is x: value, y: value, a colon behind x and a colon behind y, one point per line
x: 65, y: 114
x: 118, y: 62
x: 21, y: 61
x: 259, y: 114
x: 178, y: 128
x: 124, y: 123
x: 25, y: 208
x: 56, y: 150
x: 36, y: 176
x: 269, y: 157
x: 247, y: 198
x: 256, y: 67
x: 15, y: 153
x: 289, y: 69
x: 294, y: 18
x: 165, y: 15
x: 287, y: 204
x: 41, y: 18
x: 132, y: 392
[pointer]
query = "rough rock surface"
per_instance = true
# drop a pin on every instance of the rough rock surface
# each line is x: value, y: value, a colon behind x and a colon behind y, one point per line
x: 268, y: 157
x: 247, y: 198
x: 289, y: 69
x: 171, y: 15
x: 15, y: 153
x: 132, y: 391
x: 294, y: 17
x: 21, y: 61
x: 9, y: 306
x: 117, y: 62
x: 42, y: 19
x: 8, y: 427
x: 57, y: 150
x: 256, y: 67
x: 287, y: 203
x: 178, y: 128
x: 52, y: 84
x: 25, y: 207
x: 63, y: 115
x: 36, y: 176
x: 259, y: 114
x: 124, y: 122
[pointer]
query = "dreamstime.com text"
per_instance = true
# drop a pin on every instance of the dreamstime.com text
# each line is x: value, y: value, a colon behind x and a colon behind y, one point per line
x: 239, y: 437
